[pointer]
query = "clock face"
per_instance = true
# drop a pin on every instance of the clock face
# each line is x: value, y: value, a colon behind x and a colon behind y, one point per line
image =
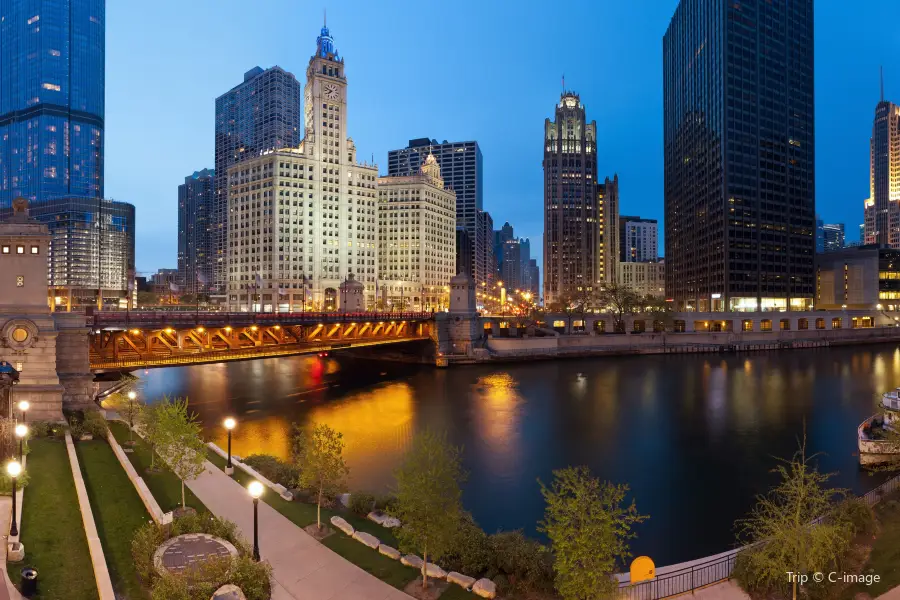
x: 331, y: 91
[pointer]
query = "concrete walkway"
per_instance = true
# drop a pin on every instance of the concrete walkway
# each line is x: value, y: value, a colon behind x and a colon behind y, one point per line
x: 303, y: 569
x: 7, y: 590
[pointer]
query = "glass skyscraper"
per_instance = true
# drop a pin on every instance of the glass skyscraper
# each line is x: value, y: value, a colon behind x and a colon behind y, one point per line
x: 262, y: 113
x: 739, y: 155
x: 51, y: 99
x: 195, y: 201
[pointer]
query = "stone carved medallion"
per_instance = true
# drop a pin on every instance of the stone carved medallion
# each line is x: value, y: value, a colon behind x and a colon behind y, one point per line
x: 19, y: 334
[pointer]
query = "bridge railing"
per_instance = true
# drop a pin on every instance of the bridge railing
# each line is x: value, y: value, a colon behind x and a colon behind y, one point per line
x: 159, y: 318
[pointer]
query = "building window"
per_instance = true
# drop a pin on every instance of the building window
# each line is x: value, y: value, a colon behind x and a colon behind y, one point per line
x: 802, y: 324
x: 785, y: 325
x: 20, y: 249
x: 34, y: 249
x: 820, y: 323
x: 836, y: 323
x: 765, y: 325
x: 747, y: 325
x: 5, y: 249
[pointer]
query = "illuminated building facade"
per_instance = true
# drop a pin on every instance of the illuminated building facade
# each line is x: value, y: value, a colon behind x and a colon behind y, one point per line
x: 416, y: 240
x: 865, y: 277
x: 580, y: 215
x: 739, y: 156
x: 882, y: 207
x: 196, y: 263
x: 302, y: 220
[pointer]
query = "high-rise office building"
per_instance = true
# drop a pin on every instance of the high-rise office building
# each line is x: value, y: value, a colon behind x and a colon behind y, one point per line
x: 260, y: 114
x: 416, y: 240
x: 644, y: 278
x: 511, y: 267
x: 52, y: 92
x: 485, y: 263
x: 882, y: 207
x: 500, y: 237
x: 833, y: 237
x: 525, y: 251
x: 195, y: 261
x: 820, y: 235
x: 51, y: 99
x: 464, y: 263
x: 463, y: 172
x: 739, y: 155
x: 303, y: 220
x: 580, y: 214
x: 532, y: 276
x: 638, y: 239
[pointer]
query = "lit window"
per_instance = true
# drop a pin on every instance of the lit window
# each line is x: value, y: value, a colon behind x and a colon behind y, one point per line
x: 34, y: 19
x: 34, y: 249
x: 20, y: 249
x: 51, y: 86
x: 5, y: 249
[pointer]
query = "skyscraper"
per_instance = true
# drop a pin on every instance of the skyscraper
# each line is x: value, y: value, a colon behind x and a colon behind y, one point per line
x: 739, y: 155
x: 882, y: 207
x: 416, y: 240
x: 638, y: 239
x: 260, y: 114
x: 485, y: 263
x: 500, y: 237
x: 327, y: 219
x: 51, y: 99
x: 833, y: 234
x: 511, y: 266
x: 579, y: 214
x: 463, y: 172
x: 52, y: 90
x: 195, y: 201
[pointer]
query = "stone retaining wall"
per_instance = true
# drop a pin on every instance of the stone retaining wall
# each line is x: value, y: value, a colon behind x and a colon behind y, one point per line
x: 143, y: 491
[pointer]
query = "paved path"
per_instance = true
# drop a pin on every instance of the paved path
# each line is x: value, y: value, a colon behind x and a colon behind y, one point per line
x: 303, y: 569
x: 7, y: 589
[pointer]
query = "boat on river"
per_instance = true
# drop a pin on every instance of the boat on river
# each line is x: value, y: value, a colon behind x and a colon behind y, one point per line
x: 878, y: 437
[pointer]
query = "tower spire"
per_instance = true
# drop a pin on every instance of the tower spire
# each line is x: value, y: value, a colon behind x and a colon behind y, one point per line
x: 881, y: 75
x: 325, y: 17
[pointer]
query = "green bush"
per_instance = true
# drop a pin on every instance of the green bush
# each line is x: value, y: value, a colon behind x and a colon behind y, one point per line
x: 385, y: 502
x: 361, y: 503
x: 39, y: 429
x: 750, y: 577
x: 855, y: 513
x: 6, y: 482
x: 274, y: 469
x: 58, y: 431
x: 527, y: 564
x: 201, y: 582
x: 77, y: 430
x: 95, y: 424
x: 145, y: 542
x: 471, y: 553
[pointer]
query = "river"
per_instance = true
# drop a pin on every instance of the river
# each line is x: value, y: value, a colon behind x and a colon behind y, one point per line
x: 695, y: 436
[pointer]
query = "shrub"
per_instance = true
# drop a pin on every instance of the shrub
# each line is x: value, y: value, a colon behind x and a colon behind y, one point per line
x: 39, y: 429
x: 6, y: 482
x: 471, y: 553
x: 144, y: 543
x: 527, y: 564
x: 362, y: 503
x: 855, y: 513
x: 274, y: 469
x: 95, y: 424
x: 385, y: 502
x: 58, y: 431
x: 73, y: 416
x: 254, y: 578
x: 201, y: 582
x: 77, y: 430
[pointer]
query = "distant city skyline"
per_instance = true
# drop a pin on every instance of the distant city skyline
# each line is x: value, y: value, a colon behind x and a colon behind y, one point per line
x: 169, y: 124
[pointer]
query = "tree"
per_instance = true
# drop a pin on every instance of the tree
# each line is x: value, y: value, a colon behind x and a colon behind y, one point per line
x: 590, y: 527
x: 146, y: 298
x: 619, y: 301
x: 180, y: 444
x: 318, y: 456
x: 149, y: 422
x: 787, y: 527
x: 428, y: 498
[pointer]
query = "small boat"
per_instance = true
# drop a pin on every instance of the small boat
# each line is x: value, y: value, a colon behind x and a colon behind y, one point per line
x: 878, y: 437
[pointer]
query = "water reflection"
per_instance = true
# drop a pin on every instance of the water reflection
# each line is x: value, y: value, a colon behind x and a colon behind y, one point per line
x: 694, y: 436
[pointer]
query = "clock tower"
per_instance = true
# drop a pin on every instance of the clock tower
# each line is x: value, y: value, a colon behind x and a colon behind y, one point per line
x: 325, y: 102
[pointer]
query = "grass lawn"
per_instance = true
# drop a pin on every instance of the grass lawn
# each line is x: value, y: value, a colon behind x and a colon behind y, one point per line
x: 303, y: 514
x: 885, y: 557
x: 52, y: 530
x: 118, y: 512
x: 163, y: 483
x: 454, y: 592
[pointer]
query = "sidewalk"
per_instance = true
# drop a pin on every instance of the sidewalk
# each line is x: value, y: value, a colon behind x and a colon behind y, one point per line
x: 7, y: 589
x: 302, y: 568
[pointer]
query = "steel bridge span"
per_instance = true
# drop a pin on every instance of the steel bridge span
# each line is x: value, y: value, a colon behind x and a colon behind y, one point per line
x: 135, y: 340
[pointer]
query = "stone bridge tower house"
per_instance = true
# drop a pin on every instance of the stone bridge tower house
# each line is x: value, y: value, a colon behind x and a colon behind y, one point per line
x: 49, y: 350
x: 458, y: 333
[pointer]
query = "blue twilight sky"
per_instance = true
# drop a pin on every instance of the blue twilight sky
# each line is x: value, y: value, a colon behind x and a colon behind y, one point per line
x: 488, y: 70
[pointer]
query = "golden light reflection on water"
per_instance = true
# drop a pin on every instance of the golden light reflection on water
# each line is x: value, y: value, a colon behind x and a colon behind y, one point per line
x: 497, y: 404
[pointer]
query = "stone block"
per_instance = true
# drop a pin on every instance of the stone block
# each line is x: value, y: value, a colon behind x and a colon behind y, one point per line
x: 485, y: 588
x: 343, y: 525
x: 435, y: 572
x: 376, y: 516
x: 15, y: 552
x: 389, y: 552
x: 411, y: 560
x: 463, y: 581
x: 366, y: 539
x: 228, y: 592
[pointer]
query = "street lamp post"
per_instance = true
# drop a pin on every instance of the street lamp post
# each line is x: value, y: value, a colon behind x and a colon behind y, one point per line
x: 21, y: 432
x: 23, y: 407
x: 131, y: 397
x: 256, y: 489
x: 14, y: 469
x: 229, y: 425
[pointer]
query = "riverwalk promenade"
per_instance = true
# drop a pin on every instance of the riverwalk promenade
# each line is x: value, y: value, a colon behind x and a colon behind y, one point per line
x: 302, y: 568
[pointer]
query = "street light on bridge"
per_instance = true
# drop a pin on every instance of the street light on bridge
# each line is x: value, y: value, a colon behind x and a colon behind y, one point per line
x: 229, y: 425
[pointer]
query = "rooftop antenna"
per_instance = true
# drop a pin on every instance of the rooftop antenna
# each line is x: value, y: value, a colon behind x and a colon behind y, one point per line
x: 325, y: 17
x: 881, y: 72
x: 564, y: 83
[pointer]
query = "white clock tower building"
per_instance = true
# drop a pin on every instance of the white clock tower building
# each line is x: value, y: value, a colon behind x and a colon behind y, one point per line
x: 303, y: 220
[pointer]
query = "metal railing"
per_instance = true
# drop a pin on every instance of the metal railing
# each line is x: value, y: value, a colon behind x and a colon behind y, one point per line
x: 123, y: 319
x: 719, y: 569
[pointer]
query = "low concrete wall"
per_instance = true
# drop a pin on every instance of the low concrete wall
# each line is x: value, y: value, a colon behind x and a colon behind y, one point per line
x: 143, y: 491
x: 101, y: 572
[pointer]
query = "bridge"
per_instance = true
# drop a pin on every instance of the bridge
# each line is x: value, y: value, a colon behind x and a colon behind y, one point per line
x: 123, y: 340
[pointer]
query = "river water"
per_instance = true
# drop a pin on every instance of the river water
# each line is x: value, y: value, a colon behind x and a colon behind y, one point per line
x: 695, y: 436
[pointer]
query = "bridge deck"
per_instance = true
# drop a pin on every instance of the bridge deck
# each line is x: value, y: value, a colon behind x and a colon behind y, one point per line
x: 164, y: 318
